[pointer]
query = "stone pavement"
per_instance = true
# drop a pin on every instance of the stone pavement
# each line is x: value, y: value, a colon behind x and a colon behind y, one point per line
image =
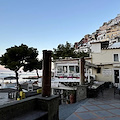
x: 106, y: 107
x: 95, y: 109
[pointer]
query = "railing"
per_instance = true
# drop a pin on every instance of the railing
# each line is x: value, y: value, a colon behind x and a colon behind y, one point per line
x: 12, y: 95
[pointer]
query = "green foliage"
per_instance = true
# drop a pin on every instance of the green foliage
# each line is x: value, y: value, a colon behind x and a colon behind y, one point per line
x: 33, y: 65
x: 18, y: 56
x: 67, y: 50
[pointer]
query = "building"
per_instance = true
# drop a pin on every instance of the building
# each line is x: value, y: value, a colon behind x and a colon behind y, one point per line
x: 67, y: 67
x: 107, y: 58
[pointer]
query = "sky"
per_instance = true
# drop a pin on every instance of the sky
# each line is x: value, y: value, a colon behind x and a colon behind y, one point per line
x: 44, y: 24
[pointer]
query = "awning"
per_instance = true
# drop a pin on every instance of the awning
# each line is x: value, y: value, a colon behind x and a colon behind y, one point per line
x: 90, y: 64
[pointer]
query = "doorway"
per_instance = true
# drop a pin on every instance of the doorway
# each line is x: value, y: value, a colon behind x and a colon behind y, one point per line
x: 116, y: 76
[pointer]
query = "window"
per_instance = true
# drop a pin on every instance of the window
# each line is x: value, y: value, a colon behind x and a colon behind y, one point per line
x: 59, y: 69
x: 107, y: 36
x: 105, y: 44
x: 116, y: 58
x: 98, y: 70
x: 65, y: 69
x: 77, y: 69
x: 71, y: 69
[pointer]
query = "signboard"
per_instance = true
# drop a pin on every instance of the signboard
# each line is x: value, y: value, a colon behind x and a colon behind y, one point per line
x: 107, y: 72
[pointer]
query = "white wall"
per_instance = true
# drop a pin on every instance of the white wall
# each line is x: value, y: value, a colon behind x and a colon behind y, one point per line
x: 105, y: 57
x: 96, y: 48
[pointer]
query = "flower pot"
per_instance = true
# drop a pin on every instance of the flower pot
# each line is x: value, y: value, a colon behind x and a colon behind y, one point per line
x: 72, y: 98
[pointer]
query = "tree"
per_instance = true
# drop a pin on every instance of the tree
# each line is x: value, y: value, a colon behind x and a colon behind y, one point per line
x: 67, y: 50
x: 17, y: 57
x: 34, y: 65
x: 63, y: 51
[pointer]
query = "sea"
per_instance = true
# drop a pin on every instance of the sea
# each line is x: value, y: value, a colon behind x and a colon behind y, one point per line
x: 3, y: 95
x: 22, y: 75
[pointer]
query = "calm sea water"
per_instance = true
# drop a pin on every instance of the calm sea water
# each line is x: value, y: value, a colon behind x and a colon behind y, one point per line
x: 21, y: 75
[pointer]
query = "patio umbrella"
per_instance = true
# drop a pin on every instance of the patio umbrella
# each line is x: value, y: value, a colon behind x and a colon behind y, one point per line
x: 10, y: 78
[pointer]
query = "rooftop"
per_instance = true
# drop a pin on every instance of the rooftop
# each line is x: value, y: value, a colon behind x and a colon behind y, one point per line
x: 115, y: 45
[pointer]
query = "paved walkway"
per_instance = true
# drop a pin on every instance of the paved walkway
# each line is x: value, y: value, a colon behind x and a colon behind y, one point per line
x: 106, y: 107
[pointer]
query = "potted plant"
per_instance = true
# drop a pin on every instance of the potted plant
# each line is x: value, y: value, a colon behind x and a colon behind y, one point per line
x: 72, y: 96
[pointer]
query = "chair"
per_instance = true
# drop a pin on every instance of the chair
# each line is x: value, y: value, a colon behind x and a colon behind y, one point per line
x: 116, y: 88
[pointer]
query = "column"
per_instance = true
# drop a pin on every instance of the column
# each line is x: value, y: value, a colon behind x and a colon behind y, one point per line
x: 82, y: 64
x: 46, y: 79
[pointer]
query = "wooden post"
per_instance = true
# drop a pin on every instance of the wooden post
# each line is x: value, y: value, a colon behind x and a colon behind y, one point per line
x: 46, y: 80
x: 82, y: 72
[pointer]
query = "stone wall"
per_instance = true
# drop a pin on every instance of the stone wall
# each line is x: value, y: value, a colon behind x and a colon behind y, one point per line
x: 81, y: 92
x: 50, y: 104
x: 19, y: 108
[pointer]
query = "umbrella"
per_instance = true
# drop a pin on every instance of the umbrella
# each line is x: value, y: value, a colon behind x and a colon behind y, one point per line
x: 10, y: 78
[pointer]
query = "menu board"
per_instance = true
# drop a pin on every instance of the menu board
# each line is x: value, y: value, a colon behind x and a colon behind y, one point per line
x: 107, y: 72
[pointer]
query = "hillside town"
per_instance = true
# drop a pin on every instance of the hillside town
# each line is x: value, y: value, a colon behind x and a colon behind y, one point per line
x: 109, y: 31
x: 70, y: 88
x: 103, y: 47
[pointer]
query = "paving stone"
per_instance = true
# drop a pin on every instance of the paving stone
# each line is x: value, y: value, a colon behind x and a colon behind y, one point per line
x: 113, y: 118
x: 86, y: 115
x: 97, y: 103
x: 109, y: 101
x: 87, y: 103
x: 106, y: 106
x: 72, y: 117
x: 92, y: 108
x: 115, y: 111
x: 103, y: 113
x: 116, y: 105
x: 81, y: 109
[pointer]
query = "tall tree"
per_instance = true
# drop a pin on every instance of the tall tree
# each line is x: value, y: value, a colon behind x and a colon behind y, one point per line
x: 17, y: 57
x: 63, y: 51
x: 67, y: 50
x: 34, y: 65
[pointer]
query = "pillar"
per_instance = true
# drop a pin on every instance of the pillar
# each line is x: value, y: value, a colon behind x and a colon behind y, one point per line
x: 46, y: 78
x: 82, y: 72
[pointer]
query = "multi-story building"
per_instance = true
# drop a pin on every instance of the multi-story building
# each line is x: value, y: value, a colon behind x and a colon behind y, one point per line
x: 113, y: 32
x: 108, y: 60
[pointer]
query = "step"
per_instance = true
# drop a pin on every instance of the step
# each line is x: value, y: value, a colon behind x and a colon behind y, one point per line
x: 33, y: 115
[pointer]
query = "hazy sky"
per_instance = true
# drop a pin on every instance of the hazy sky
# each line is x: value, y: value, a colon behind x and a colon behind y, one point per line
x: 43, y: 24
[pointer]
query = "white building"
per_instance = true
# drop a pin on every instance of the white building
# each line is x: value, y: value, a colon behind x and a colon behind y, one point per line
x: 67, y: 67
